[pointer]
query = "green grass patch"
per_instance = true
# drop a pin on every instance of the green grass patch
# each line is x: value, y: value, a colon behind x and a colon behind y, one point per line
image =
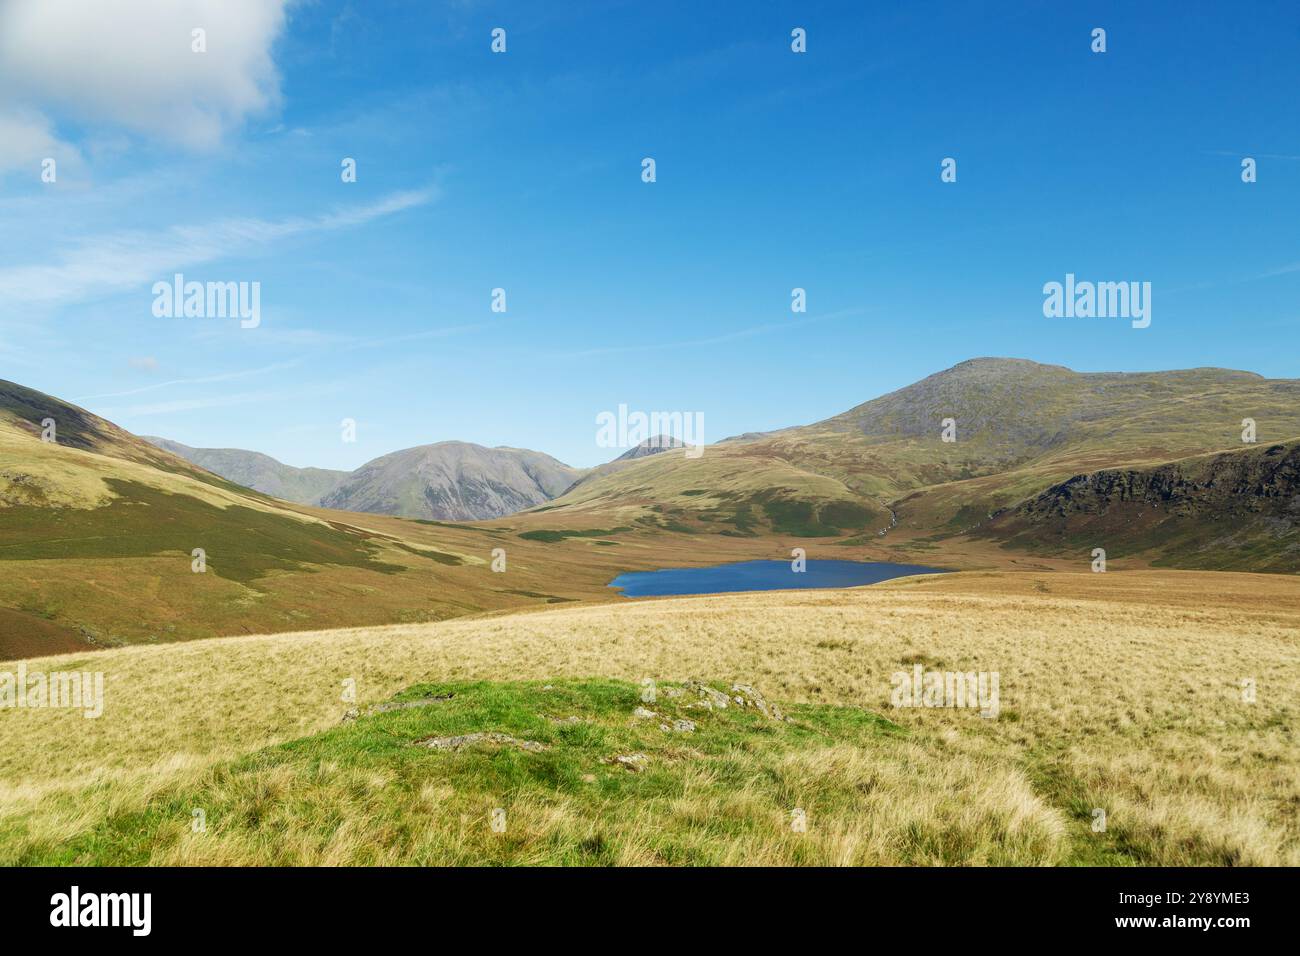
x: 552, y: 536
x: 368, y: 792
x: 441, y: 557
x: 807, y: 519
x: 549, y: 598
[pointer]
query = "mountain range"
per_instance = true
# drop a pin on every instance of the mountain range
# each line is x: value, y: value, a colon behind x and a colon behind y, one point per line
x: 445, y: 481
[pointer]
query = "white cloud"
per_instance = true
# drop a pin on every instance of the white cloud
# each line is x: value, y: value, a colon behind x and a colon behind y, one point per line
x: 125, y: 260
x: 27, y: 139
x: 130, y: 63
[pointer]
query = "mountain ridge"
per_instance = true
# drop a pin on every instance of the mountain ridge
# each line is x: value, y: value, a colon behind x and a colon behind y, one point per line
x: 453, y: 481
x: 258, y: 471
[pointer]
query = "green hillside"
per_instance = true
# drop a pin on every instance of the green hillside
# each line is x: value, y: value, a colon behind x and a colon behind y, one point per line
x: 1020, y: 427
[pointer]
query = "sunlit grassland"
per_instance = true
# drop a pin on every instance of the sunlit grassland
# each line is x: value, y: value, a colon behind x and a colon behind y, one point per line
x: 732, y: 790
x: 1122, y: 692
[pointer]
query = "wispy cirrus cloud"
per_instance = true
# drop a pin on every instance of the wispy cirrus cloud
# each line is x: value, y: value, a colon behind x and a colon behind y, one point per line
x: 1279, y: 271
x: 116, y: 262
x: 223, y: 400
x: 710, y: 340
x: 198, y: 380
x: 193, y: 404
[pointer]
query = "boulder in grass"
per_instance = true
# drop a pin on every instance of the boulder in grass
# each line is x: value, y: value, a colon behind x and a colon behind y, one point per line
x: 480, y: 737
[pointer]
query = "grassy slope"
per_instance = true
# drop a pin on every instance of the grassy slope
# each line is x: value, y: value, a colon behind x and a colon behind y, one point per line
x: 97, y: 530
x: 1119, y: 691
x: 725, y: 491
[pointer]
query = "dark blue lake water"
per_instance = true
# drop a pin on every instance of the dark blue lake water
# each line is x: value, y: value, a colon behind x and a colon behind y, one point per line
x: 761, y: 576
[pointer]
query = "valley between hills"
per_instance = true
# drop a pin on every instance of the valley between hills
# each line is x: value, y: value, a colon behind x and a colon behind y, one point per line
x: 97, y: 530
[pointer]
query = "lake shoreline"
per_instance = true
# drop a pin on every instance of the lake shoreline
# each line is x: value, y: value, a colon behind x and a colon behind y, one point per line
x: 762, y: 575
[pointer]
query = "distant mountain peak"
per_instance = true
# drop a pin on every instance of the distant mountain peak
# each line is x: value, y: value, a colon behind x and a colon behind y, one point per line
x: 453, y: 480
x: 1003, y: 362
x: 651, y: 446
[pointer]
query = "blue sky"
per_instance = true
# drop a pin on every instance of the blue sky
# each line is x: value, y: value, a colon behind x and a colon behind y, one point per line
x: 522, y: 171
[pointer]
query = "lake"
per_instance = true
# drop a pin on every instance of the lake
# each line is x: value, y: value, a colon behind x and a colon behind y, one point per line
x: 761, y: 576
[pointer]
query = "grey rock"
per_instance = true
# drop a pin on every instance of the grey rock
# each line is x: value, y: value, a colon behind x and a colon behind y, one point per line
x: 480, y: 737
x: 750, y: 696
x: 715, y: 697
x: 634, y: 762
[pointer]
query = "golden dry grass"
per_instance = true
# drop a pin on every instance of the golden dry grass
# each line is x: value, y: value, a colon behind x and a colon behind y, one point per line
x: 1119, y: 691
x: 66, y: 477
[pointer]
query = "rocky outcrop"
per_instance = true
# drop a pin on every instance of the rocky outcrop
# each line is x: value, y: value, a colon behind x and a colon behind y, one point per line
x: 742, y: 695
x: 1234, y: 483
x: 1236, y: 511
